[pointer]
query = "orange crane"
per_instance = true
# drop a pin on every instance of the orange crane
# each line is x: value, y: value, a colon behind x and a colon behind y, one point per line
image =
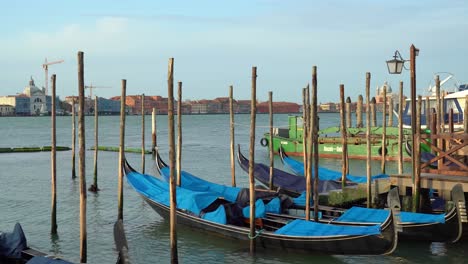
x: 46, y: 69
x: 91, y: 87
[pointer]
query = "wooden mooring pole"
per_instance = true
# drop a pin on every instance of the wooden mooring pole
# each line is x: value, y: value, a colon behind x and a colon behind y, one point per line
x: 368, y: 139
x: 82, y: 159
x: 143, y: 133
x: 231, y: 117
x: 121, y: 149
x: 400, y: 130
x: 153, y: 132
x: 465, y: 122
x: 73, y: 139
x: 390, y: 111
x: 439, y: 116
x: 373, y: 113
x: 349, y: 122
x: 343, y: 114
x: 172, y: 180
x: 314, y: 143
x: 305, y: 139
x: 272, y: 157
x: 384, y: 130
x: 253, y: 111
x: 417, y: 162
x: 307, y: 149
x: 53, y: 220
x: 179, y: 134
x: 427, y: 111
x: 359, y: 112
x: 94, y: 186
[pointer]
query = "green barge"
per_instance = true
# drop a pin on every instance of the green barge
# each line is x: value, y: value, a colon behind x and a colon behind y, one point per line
x: 330, y: 141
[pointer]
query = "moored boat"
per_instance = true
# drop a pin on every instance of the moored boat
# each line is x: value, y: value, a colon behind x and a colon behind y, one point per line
x: 297, y: 234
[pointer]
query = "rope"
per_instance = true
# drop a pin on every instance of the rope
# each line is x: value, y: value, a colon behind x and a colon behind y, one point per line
x: 257, y: 233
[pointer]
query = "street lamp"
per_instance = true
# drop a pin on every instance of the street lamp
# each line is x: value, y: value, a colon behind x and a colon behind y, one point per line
x: 395, y: 66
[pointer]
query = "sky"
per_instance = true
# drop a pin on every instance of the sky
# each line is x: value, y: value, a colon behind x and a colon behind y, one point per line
x: 216, y: 43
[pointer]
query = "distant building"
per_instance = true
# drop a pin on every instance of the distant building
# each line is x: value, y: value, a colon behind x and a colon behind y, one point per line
x: 40, y: 103
x: 7, y: 110
x: 20, y: 103
x: 328, y: 107
x: 278, y: 107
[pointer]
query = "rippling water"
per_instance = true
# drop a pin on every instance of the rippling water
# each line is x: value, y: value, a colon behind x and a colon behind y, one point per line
x: 25, y: 193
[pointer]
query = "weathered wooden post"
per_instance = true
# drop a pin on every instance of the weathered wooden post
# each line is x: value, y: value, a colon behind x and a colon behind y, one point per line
x: 121, y: 148
x: 172, y: 181
x: 272, y: 157
x: 348, y: 112
x: 400, y: 130
x: 94, y: 186
x: 179, y: 134
x: 53, y: 220
x: 231, y: 117
x: 465, y: 122
x: 314, y: 143
x: 390, y: 111
x: 428, y: 113
x: 368, y: 139
x: 373, y: 113
x: 253, y: 110
x: 384, y: 130
x: 439, y: 106
x: 344, y: 162
x: 153, y: 132
x: 82, y: 159
x: 305, y: 127
x: 359, y: 112
x: 143, y: 133
x: 417, y: 161
x: 73, y: 139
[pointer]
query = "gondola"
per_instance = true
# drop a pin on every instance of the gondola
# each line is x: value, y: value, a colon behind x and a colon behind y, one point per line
x: 324, y: 174
x: 14, y: 249
x: 414, y: 226
x: 287, y: 183
x: 206, y: 211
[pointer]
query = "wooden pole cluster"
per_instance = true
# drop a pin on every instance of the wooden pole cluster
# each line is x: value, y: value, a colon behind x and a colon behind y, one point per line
x: 143, y: 133
x: 253, y: 111
x: 368, y: 125
x: 53, y: 222
x: 344, y: 161
x: 94, y: 186
x: 121, y: 148
x: 359, y: 112
x: 272, y: 157
x: 400, y: 130
x: 384, y: 130
x: 172, y: 181
x: 231, y: 117
x: 73, y: 139
x: 373, y: 113
x: 82, y: 159
x: 314, y: 143
x: 153, y: 132
x: 348, y: 112
x: 179, y: 134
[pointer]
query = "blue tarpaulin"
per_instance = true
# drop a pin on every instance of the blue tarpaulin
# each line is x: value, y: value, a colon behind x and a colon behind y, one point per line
x: 300, y: 227
x: 369, y: 215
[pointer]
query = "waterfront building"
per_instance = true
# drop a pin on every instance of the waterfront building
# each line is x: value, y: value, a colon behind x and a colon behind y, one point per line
x: 20, y: 103
x: 278, y: 108
x: 7, y: 110
x: 40, y: 103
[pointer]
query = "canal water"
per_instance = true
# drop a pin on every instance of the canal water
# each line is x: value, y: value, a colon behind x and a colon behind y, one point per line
x: 25, y: 192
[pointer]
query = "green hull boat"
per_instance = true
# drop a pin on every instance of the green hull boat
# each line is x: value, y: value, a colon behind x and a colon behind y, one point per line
x: 330, y: 142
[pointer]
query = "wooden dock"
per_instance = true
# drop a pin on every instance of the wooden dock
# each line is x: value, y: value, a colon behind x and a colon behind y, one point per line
x: 440, y: 182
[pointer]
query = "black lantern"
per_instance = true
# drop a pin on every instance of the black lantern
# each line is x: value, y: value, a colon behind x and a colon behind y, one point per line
x: 396, y: 65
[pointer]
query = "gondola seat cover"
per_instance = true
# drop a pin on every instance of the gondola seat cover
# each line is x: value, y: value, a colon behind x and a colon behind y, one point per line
x: 11, y: 244
x: 300, y: 227
x: 369, y: 215
x: 327, y: 174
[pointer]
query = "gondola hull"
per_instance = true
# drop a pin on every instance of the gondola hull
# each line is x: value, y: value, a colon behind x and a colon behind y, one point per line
x: 348, y: 245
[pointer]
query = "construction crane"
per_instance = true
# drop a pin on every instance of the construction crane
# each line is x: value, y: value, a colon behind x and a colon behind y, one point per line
x: 46, y: 69
x: 91, y: 87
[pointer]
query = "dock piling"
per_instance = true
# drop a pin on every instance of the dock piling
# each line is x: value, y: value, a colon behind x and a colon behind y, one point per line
x: 73, y: 139
x: 390, y: 111
x: 417, y: 162
x: 153, y: 132
x: 384, y: 130
x: 270, y: 107
x: 373, y: 113
x: 343, y: 114
x: 143, y: 133
x: 359, y: 112
x: 231, y: 118
x: 121, y: 149
x: 53, y: 153
x: 94, y: 186
x: 305, y: 130
x: 253, y: 111
x: 314, y: 159
x: 348, y: 112
x: 179, y: 134
x: 368, y: 139
x: 400, y: 130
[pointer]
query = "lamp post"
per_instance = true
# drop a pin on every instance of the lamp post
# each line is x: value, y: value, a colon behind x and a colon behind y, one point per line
x: 395, y: 66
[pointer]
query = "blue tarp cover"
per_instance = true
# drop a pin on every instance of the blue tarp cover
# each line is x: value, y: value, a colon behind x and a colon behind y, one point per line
x: 11, y: 244
x: 218, y: 216
x: 259, y: 210
x: 369, y: 215
x: 194, y: 183
x: 327, y: 174
x: 300, y: 227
